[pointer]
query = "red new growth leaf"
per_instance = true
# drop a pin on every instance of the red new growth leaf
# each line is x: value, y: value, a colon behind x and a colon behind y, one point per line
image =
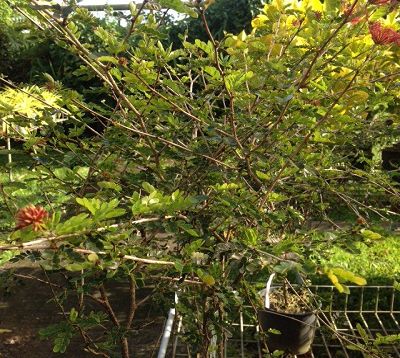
x: 383, y: 35
x: 356, y: 20
x: 31, y: 215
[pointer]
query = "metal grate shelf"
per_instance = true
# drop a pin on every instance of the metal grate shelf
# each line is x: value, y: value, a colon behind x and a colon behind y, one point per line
x: 374, y: 308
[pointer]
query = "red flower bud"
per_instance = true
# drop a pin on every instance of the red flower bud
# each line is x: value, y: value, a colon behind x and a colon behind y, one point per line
x: 31, y: 215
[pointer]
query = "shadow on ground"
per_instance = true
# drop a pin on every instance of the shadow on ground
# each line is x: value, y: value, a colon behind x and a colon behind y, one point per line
x: 26, y: 306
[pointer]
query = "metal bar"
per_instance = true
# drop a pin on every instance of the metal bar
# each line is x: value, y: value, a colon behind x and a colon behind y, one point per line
x: 380, y: 321
x: 325, y: 345
x: 386, y: 332
x: 258, y: 342
x: 364, y: 321
x: 377, y: 300
x: 395, y: 321
x: 362, y: 299
x: 366, y: 311
x: 332, y: 320
x: 392, y: 300
x: 340, y: 341
x: 392, y: 311
x: 365, y: 324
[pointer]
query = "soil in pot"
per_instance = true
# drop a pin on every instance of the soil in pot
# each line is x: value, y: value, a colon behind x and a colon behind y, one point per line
x: 290, y: 323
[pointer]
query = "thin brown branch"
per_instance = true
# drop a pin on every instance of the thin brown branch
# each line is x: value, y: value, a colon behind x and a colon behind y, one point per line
x: 134, y: 19
x: 132, y: 302
x: 30, y: 277
x: 107, y: 306
x: 41, y: 242
x: 110, y: 311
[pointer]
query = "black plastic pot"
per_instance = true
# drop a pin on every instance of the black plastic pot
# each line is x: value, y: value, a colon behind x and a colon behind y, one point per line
x: 297, y: 330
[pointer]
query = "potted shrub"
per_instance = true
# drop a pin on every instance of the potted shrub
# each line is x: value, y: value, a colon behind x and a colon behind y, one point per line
x: 288, y: 319
x: 199, y: 165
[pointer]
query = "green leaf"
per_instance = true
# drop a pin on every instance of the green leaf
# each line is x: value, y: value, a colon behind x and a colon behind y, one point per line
x: 363, y: 333
x: 193, y: 246
x: 274, y: 331
x: 109, y: 185
x: 93, y: 257
x: 101, y: 210
x: 378, y: 13
x: 386, y: 340
x: 77, y: 223
x: 250, y: 236
x: 148, y: 187
x: 188, y: 229
x: 108, y: 59
x: 73, y: 314
x: 206, y: 278
x: 332, y: 6
x: 355, y: 347
x: 226, y: 186
x: 213, y: 72
x: 179, y: 266
x: 75, y: 267
x: 263, y: 176
x: 7, y: 256
x: 132, y: 8
x: 206, y: 47
x: 178, y: 6
x: 91, y: 204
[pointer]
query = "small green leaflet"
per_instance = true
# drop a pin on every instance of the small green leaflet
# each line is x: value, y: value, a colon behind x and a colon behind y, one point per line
x: 7, y: 256
x: 76, y: 223
x: 178, y: 6
x: 371, y: 235
x: 101, y: 210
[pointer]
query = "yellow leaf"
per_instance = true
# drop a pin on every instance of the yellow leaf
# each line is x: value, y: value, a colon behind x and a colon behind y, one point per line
x: 368, y: 234
x: 258, y: 21
x: 208, y: 280
x: 348, y: 276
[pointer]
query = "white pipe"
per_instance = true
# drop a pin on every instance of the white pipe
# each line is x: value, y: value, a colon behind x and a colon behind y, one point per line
x: 167, y: 334
x: 9, y: 156
x: 167, y: 331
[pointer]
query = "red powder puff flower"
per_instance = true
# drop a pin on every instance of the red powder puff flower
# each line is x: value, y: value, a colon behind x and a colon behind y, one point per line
x: 383, y: 35
x: 31, y: 215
